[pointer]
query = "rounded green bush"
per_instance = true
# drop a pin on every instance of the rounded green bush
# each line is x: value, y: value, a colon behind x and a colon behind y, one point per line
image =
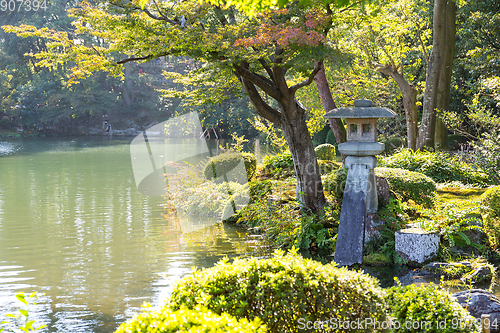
x: 405, y: 184
x: 325, y: 152
x: 221, y: 164
x: 287, y: 292
x: 184, y: 320
x: 409, y: 185
x: 428, y: 309
x: 441, y: 167
x: 491, y: 199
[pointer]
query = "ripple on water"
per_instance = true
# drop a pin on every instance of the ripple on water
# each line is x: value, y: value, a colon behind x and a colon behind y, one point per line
x: 8, y: 148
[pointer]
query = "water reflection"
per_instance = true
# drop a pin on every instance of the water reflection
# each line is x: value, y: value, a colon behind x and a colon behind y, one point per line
x: 73, y: 226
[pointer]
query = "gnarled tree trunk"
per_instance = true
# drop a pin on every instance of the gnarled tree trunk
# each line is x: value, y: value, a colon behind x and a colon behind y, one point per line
x: 291, y: 119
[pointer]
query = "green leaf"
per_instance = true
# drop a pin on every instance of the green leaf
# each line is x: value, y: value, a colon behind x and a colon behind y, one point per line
x: 22, y: 298
x: 24, y: 312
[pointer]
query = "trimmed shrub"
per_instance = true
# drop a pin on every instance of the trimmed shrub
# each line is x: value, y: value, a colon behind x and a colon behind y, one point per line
x: 405, y: 184
x: 325, y: 152
x: 286, y: 292
x: 184, y: 320
x: 491, y: 199
x: 428, y: 309
x: 439, y: 166
x: 409, y: 185
x: 224, y: 163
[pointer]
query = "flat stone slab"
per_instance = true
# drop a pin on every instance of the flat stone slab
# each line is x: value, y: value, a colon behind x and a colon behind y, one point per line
x: 350, y: 238
x: 416, y: 245
x: 361, y: 148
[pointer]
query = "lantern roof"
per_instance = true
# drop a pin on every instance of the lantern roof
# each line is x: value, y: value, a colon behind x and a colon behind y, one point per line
x: 362, y: 109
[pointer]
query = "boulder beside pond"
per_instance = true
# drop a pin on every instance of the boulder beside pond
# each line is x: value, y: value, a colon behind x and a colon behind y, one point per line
x: 465, y: 270
x: 479, y: 302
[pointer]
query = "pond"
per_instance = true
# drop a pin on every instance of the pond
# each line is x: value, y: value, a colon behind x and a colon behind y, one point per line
x: 74, y: 227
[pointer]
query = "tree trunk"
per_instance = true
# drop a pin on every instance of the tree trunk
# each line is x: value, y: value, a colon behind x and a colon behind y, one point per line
x: 444, y: 85
x: 409, y: 102
x: 428, y: 124
x: 328, y: 103
x: 291, y: 118
x: 309, y: 188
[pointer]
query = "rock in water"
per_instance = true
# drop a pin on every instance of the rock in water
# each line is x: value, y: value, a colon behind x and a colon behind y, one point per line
x: 478, y: 302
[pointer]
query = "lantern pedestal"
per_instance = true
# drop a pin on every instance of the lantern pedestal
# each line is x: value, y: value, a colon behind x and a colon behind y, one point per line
x: 360, y: 195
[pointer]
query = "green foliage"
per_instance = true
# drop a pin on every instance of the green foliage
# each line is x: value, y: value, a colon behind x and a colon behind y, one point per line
x: 383, y: 247
x: 325, y: 152
x: 6, y: 124
x: 260, y: 189
x: 491, y: 206
x: 283, y: 225
x: 284, y: 291
x: 439, y: 166
x: 280, y: 165
x: 188, y: 190
x: 184, y: 320
x: 426, y: 307
x: 409, y: 185
x: 327, y: 167
x: 222, y: 164
x: 21, y: 322
x: 334, y: 184
x: 405, y: 184
x: 271, y: 133
x: 491, y: 201
x: 452, y: 220
x: 377, y: 259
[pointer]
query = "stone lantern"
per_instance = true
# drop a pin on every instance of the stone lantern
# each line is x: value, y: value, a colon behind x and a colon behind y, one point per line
x: 360, y: 195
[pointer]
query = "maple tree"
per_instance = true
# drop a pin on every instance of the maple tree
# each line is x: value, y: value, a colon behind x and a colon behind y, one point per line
x: 271, y: 55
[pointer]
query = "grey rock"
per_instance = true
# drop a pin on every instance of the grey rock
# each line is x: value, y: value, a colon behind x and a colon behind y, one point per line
x: 382, y: 190
x: 438, y: 266
x: 478, y: 302
x: 475, y: 235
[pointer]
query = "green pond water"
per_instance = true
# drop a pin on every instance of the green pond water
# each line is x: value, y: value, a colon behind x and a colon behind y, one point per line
x: 74, y: 227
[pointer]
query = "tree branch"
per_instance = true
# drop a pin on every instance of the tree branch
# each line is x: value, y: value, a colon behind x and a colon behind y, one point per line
x: 260, y: 81
x: 263, y: 109
x: 151, y: 15
x: 148, y: 57
x: 309, y: 80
